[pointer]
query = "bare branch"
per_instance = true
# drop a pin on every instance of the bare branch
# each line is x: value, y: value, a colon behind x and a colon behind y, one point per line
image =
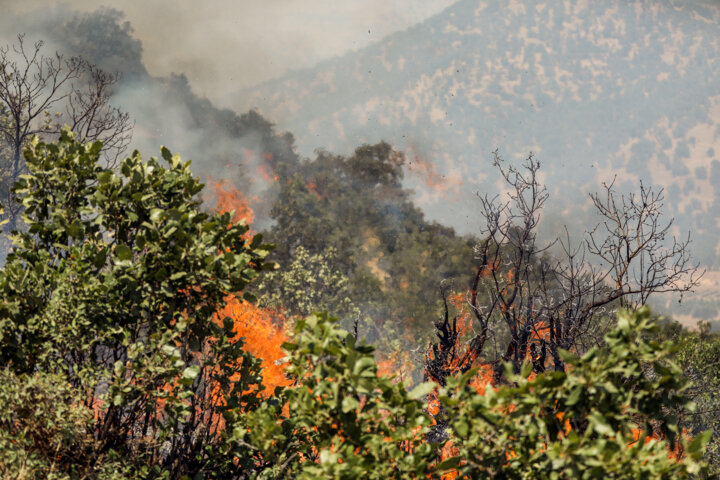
x: 540, y: 303
x: 34, y: 90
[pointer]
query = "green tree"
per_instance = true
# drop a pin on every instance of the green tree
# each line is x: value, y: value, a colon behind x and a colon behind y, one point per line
x: 393, y: 257
x: 114, y: 288
x: 611, y: 414
x: 311, y: 283
x: 697, y: 353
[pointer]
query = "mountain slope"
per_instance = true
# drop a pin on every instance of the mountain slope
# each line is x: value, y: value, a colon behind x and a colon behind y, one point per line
x: 594, y: 89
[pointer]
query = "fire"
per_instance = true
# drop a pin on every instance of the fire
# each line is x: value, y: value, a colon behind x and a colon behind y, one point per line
x: 261, y: 328
x: 270, y: 165
x: 267, y: 173
x: 398, y: 360
x: 229, y: 199
x: 675, y: 452
x: 449, y: 450
x: 425, y: 170
x: 463, y: 357
x: 312, y: 188
x: 398, y: 364
x: 264, y: 164
x: 263, y: 338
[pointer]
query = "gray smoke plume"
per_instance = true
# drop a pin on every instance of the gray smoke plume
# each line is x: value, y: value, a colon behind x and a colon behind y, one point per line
x: 222, y: 144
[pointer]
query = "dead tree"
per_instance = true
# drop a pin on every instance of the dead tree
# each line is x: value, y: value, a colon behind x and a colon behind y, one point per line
x: 39, y: 94
x: 91, y: 116
x: 534, y: 304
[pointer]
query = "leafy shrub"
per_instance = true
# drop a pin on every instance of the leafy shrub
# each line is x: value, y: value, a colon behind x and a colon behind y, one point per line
x: 340, y: 419
x: 610, y: 415
x: 45, y: 433
x: 114, y: 288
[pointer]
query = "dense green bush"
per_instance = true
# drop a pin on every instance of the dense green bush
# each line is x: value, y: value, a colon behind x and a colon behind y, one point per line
x: 610, y: 415
x: 697, y: 353
x: 45, y: 433
x: 113, y: 290
x: 340, y: 419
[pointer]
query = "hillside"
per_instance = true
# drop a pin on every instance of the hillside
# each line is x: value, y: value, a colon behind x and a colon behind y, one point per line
x: 595, y: 89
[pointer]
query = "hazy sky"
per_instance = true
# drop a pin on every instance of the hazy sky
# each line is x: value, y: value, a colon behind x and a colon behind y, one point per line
x: 229, y: 44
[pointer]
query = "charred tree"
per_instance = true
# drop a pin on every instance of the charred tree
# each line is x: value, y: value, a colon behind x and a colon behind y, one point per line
x: 531, y: 304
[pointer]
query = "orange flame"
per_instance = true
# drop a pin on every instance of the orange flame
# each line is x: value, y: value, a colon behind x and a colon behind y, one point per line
x: 398, y: 364
x: 484, y: 376
x: 425, y: 171
x: 261, y: 328
x: 312, y: 188
x: 267, y: 173
x: 263, y: 338
x: 229, y: 199
x: 264, y: 165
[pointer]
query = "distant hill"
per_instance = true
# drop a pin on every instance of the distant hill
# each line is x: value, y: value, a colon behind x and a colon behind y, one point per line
x: 594, y: 89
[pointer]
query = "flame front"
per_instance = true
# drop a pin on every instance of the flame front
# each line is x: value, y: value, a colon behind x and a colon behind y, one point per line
x: 261, y: 328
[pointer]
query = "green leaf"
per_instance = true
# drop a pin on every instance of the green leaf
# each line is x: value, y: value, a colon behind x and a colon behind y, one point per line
x: 696, y: 447
x: 448, y: 464
x: 526, y: 369
x: 191, y: 372
x: 462, y: 428
x: 364, y: 365
x: 166, y: 154
x: 249, y: 297
x: 349, y: 404
x: 161, y: 274
x: 421, y: 390
x: 156, y: 214
x: 574, y: 396
x: 123, y: 252
x: 177, y: 275
x: 100, y: 258
x: 290, y: 346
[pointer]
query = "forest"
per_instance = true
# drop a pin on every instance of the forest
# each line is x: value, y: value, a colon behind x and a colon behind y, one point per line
x: 189, y: 317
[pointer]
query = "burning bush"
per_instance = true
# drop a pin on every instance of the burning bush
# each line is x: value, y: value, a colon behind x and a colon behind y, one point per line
x: 611, y: 414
